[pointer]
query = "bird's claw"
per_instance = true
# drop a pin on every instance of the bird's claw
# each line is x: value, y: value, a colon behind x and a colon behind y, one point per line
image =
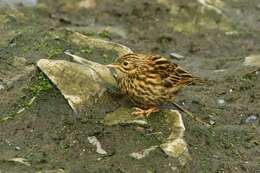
x: 144, y: 112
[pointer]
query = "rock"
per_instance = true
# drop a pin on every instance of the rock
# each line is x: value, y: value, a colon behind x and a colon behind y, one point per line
x: 87, y: 4
x: 212, y: 5
x: 122, y: 116
x: 175, y: 146
x: 252, y: 60
x: 177, y: 149
x: 103, y: 72
x: 13, y: 3
x: 252, y: 119
x: 81, y: 39
x: 211, y: 122
x: 17, y: 148
x: 220, y: 71
x: 19, y: 160
x: 52, y: 171
x: 176, y: 56
x: 221, y: 102
x: 232, y: 33
x: 1, y: 87
x: 80, y: 84
x: 143, y: 153
x: 94, y: 141
x: 113, y: 30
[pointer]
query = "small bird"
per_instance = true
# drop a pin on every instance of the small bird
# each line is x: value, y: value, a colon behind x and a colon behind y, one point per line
x: 150, y: 80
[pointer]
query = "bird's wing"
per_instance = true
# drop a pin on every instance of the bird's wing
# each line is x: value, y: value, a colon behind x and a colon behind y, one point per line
x: 170, y: 74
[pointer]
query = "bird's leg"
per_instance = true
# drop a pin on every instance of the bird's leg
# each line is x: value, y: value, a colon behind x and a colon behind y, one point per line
x: 144, y: 112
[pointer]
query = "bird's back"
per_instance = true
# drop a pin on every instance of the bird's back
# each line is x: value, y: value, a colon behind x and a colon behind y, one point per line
x: 168, y: 73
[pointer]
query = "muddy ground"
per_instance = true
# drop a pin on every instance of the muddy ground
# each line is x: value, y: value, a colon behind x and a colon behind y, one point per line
x: 38, y: 125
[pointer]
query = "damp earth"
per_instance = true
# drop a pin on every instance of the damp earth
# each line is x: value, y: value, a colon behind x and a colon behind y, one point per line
x: 217, y: 40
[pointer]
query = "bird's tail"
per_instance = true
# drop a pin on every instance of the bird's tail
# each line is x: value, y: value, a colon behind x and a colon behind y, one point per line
x: 198, y: 81
x: 196, y: 118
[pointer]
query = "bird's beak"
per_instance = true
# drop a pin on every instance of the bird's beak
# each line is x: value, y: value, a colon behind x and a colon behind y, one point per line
x: 112, y: 66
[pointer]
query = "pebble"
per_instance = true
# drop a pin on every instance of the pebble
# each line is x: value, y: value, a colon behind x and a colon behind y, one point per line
x: 176, y: 56
x: 221, y: 101
x: 1, y: 87
x: 87, y: 4
x: 143, y: 153
x: 251, y: 119
x: 211, y: 122
x: 220, y: 71
x: 232, y: 33
x: 13, y: 3
x: 17, y: 148
x: 94, y: 141
x: 252, y: 60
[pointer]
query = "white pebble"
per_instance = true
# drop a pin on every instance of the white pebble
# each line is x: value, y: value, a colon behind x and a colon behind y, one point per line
x: 221, y: 101
x: 176, y: 56
x: 251, y: 119
x: 2, y: 87
x: 17, y: 148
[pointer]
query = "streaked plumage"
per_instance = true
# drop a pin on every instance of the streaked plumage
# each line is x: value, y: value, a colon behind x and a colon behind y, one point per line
x: 150, y: 80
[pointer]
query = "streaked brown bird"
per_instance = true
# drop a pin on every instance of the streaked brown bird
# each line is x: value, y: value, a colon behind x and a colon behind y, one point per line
x: 150, y: 80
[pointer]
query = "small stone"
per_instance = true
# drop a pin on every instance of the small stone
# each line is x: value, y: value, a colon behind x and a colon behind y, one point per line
x: 52, y: 171
x: 87, y: 4
x: 211, y: 122
x: 13, y: 3
x: 220, y: 71
x: 252, y: 119
x: 173, y: 168
x: 177, y: 149
x: 252, y: 60
x: 94, y: 141
x: 1, y: 87
x: 22, y: 161
x: 122, y: 116
x: 232, y: 33
x: 143, y: 153
x: 20, y: 110
x: 17, y: 148
x: 221, y: 101
x: 212, y: 5
x: 176, y: 56
x: 100, y: 158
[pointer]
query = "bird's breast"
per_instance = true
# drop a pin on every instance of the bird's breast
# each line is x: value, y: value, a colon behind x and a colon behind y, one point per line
x: 146, y: 91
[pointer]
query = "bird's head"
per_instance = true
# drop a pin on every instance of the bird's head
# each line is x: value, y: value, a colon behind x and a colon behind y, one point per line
x: 127, y: 64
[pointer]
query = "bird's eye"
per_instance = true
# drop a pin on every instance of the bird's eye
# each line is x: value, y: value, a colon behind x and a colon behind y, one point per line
x: 125, y: 63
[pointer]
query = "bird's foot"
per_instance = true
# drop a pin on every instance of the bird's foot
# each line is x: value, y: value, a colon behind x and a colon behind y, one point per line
x: 144, y: 112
